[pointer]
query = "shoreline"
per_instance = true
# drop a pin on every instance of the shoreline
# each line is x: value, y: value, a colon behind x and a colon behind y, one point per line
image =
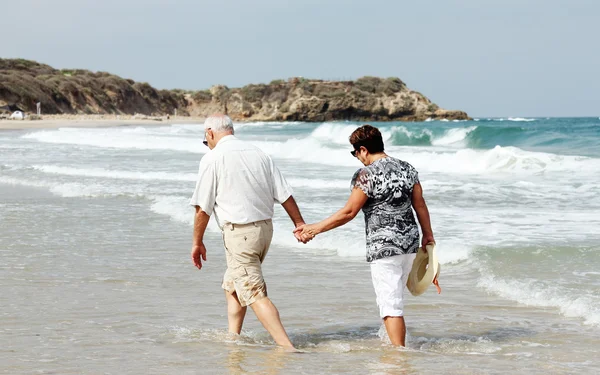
x: 91, y: 121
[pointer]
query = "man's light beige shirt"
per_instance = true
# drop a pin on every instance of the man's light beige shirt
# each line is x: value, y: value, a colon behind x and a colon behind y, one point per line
x: 239, y: 182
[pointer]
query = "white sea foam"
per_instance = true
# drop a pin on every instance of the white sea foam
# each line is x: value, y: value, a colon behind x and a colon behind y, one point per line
x: 175, y: 207
x: 75, y: 189
x: 498, y: 159
x: 521, y: 119
x: 273, y: 124
x: 465, y: 344
x: 351, y: 244
x: 319, y: 183
x: 339, y: 133
x: 454, y: 136
x: 585, y: 274
x: 308, y: 150
x: 463, y: 161
x: 333, y: 133
x: 539, y: 294
x: 328, y: 145
x: 116, y: 174
x: 415, y: 135
x: 119, y: 138
x: 171, y: 130
x: 452, y: 251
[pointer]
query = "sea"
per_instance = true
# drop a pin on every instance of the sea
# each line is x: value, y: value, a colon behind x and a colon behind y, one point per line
x: 96, y: 233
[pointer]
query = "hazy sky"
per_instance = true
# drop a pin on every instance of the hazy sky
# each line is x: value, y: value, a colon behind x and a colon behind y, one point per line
x: 487, y: 57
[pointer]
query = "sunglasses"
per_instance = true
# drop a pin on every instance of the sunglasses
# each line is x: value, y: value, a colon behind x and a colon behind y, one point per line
x: 356, y: 150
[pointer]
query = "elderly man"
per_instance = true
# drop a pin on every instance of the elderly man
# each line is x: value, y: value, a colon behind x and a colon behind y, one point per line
x: 240, y: 184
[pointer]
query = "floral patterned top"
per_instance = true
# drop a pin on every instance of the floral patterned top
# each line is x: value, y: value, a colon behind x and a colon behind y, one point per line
x: 390, y: 223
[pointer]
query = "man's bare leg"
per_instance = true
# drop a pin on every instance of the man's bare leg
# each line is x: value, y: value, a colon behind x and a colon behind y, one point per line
x: 268, y: 315
x: 396, y: 329
x: 235, y: 313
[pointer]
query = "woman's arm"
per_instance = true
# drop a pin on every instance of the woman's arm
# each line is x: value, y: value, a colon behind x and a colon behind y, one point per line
x: 418, y: 203
x: 356, y: 201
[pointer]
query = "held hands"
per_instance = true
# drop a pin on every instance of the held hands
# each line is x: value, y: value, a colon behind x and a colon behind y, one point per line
x: 305, y: 232
x: 197, y: 252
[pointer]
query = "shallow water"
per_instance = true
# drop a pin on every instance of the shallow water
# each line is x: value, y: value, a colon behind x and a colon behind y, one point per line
x: 96, y: 278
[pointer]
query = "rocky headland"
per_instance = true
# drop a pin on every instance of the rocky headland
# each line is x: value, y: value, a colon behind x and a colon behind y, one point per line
x: 24, y: 83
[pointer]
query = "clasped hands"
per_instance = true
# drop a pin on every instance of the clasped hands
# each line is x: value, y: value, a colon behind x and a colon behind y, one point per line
x: 305, y: 232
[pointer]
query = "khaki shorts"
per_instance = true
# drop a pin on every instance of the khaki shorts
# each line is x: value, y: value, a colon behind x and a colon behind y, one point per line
x: 246, y: 246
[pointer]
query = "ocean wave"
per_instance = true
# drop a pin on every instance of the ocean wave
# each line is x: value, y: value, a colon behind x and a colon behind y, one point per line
x: 319, y: 183
x: 401, y: 136
x: 115, y: 174
x: 118, y: 138
x: 336, y: 133
x: 328, y: 145
x: 521, y: 119
x: 452, y: 251
x: 486, y: 137
x: 267, y: 123
x: 539, y: 294
x: 76, y: 189
x: 454, y: 136
x: 178, y: 209
x: 516, y: 119
x: 497, y: 160
x: 462, y: 161
x: 309, y: 150
x: 481, y: 137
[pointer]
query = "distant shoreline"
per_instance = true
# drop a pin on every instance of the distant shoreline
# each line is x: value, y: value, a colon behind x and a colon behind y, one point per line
x: 94, y: 121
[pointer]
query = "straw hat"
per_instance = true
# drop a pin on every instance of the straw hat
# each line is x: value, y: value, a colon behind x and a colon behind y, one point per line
x: 425, y: 271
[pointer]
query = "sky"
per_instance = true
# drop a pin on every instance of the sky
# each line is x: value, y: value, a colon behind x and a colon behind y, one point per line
x: 525, y: 58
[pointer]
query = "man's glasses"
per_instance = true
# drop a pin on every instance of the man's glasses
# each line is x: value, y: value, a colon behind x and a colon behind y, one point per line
x: 353, y: 153
x: 205, y: 142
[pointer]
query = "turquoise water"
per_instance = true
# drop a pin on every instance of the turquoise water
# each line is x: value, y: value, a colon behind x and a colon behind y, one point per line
x: 96, y: 229
x: 570, y: 136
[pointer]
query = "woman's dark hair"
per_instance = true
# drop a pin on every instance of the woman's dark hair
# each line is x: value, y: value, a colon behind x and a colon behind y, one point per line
x: 369, y: 137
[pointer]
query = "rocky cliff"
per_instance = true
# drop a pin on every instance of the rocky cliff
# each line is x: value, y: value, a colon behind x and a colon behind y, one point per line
x: 25, y: 83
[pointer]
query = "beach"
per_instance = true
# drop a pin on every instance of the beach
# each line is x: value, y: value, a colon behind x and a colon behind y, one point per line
x: 94, y: 121
x: 96, y: 232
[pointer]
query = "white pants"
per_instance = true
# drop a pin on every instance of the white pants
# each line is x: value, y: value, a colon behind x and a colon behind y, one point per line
x: 389, y: 277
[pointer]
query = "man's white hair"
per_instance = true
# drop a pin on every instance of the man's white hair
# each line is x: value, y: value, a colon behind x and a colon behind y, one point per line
x: 219, y: 123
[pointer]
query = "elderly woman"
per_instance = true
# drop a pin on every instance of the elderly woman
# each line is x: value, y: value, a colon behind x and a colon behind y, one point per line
x: 386, y: 189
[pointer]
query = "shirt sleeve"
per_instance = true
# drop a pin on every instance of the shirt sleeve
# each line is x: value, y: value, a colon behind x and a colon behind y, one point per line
x: 362, y: 180
x: 413, y: 177
x: 205, y: 194
x: 282, y: 190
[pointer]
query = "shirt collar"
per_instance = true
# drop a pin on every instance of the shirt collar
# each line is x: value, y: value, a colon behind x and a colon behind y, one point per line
x: 226, y: 138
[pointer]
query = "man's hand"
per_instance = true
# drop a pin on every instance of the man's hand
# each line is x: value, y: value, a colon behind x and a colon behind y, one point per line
x: 298, y: 234
x: 427, y: 238
x: 197, y: 251
x: 305, y: 233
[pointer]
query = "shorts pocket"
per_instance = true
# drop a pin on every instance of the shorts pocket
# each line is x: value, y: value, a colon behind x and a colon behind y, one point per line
x: 239, y: 273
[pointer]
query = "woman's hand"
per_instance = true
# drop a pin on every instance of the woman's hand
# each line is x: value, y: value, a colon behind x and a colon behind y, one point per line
x: 427, y: 238
x: 306, y: 232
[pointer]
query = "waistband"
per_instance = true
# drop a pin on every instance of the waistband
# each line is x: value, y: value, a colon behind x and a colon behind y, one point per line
x: 232, y: 226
